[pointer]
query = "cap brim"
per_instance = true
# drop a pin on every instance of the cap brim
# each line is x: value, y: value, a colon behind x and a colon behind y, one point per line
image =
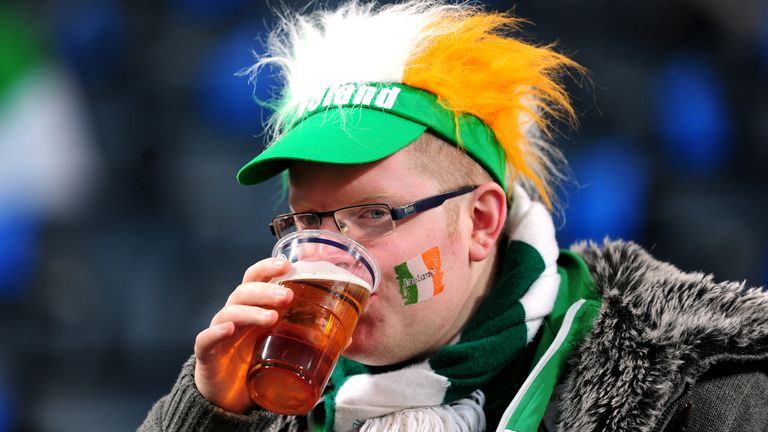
x: 339, y: 136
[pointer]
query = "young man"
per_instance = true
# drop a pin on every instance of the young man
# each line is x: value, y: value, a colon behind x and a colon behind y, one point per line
x: 430, y: 103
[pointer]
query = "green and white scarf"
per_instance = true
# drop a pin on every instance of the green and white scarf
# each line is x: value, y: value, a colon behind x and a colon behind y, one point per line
x: 443, y: 393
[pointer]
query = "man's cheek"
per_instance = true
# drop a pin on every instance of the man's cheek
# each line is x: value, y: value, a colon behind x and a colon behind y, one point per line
x: 421, y: 277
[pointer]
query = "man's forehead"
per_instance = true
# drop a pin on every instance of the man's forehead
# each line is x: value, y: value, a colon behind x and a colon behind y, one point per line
x: 390, y: 180
x: 380, y: 171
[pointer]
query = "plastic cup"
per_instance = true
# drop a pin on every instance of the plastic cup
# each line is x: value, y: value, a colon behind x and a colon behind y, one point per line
x: 331, y: 277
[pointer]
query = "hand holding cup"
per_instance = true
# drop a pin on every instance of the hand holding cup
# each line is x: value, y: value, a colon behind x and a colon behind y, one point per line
x: 223, y: 350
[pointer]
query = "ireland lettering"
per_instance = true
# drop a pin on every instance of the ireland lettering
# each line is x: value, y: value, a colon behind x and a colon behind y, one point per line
x: 417, y: 279
x: 362, y: 95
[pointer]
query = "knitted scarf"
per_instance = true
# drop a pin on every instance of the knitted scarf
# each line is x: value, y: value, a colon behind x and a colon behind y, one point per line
x: 443, y: 392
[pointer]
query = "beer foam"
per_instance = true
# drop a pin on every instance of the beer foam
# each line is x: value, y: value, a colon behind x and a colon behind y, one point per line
x: 322, y: 270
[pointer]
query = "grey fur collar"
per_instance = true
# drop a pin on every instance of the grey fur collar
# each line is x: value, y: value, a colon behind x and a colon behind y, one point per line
x: 658, y: 330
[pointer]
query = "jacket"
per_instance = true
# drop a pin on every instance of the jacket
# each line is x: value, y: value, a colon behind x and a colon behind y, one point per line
x: 667, y: 351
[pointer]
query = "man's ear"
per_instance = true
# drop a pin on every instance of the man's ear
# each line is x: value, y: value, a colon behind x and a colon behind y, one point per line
x: 488, y: 213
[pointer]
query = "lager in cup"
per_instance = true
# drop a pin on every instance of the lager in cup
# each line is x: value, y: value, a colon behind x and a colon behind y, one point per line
x: 331, y: 277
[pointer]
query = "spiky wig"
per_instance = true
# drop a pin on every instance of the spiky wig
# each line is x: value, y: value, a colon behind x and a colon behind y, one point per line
x: 459, y: 52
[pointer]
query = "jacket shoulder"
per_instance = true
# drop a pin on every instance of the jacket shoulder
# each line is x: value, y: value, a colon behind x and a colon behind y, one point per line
x: 659, y: 331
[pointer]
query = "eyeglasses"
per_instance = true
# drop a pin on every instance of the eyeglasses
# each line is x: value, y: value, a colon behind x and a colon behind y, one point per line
x: 361, y: 222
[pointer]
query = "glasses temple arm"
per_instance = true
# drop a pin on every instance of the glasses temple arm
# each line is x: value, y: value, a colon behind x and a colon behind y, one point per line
x: 428, y: 203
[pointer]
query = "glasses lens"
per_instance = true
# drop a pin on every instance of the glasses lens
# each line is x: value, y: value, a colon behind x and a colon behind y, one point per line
x: 365, y: 222
x: 305, y: 221
x: 287, y: 224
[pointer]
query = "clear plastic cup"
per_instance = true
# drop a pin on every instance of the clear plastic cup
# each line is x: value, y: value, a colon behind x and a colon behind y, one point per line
x: 331, y: 277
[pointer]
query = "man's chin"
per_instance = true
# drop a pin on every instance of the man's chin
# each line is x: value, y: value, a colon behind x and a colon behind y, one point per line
x: 367, y: 354
x: 373, y: 355
x: 360, y: 353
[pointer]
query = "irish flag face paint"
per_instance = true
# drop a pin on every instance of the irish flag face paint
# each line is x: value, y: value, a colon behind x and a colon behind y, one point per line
x: 420, y: 278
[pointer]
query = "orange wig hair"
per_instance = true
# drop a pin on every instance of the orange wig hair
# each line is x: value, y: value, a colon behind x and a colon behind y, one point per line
x: 511, y: 85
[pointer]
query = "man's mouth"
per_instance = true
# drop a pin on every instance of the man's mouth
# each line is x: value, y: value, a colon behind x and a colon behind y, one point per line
x: 370, y: 300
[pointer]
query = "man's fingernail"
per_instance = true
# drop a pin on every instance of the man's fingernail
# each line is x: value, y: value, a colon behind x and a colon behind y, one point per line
x: 278, y: 261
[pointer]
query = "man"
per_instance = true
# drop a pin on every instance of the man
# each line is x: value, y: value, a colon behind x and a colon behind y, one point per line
x: 425, y: 103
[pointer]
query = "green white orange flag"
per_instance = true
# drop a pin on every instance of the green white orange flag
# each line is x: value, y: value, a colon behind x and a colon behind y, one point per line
x: 421, y: 278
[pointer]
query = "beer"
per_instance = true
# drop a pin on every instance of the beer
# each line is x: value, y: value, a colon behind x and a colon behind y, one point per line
x: 293, y: 360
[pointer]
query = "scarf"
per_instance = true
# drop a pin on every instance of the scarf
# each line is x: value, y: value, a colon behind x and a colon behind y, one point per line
x: 444, y: 392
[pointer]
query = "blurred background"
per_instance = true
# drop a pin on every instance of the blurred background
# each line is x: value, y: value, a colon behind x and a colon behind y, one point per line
x: 122, y: 124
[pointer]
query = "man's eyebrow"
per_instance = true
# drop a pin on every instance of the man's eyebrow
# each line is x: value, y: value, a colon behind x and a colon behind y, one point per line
x: 382, y: 198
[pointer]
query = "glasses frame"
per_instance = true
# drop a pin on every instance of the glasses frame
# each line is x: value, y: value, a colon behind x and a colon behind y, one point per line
x: 396, y: 213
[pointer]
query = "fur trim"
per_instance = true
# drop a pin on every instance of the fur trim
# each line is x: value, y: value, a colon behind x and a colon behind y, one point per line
x: 659, y: 329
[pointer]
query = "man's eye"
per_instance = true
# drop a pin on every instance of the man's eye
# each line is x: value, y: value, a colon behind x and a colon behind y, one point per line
x: 308, y: 220
x: 374, y: 214
x: 287, y: 223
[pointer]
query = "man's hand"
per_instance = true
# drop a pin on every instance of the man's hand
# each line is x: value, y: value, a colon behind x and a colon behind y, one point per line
x: 223, y: 351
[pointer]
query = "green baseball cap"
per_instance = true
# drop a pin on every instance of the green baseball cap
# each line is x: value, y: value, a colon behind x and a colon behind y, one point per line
x: 361, y: 123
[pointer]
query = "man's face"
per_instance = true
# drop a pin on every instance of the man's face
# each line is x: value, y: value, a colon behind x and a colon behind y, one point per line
x: 390, y: 331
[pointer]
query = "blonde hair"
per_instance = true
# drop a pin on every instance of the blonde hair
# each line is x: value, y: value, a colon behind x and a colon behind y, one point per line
x: 450, y: 168
x: 447, y: 164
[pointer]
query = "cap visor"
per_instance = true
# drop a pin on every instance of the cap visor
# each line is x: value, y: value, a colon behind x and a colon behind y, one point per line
x: 340, y: 136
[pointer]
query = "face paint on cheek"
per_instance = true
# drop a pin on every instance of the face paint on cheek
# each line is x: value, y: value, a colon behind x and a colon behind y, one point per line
x: 420, y: 278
